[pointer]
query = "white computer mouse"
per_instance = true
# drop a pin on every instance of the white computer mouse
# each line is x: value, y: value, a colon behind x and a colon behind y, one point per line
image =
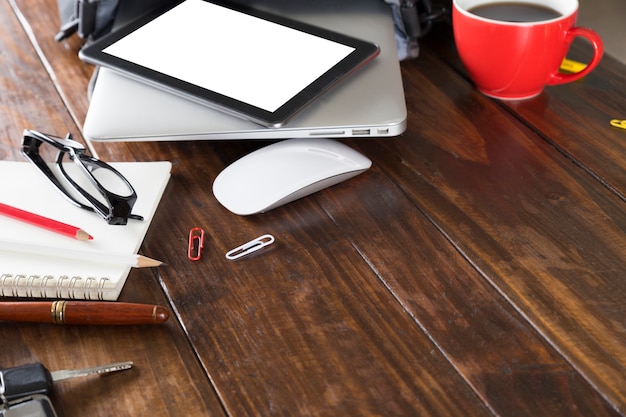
x: 285, y: 171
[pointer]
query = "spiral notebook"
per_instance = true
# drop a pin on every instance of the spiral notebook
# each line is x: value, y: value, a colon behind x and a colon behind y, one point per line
x: 22, y: 275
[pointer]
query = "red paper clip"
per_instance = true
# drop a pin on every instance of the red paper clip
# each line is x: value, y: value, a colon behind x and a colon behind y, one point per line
x: 196, y: 243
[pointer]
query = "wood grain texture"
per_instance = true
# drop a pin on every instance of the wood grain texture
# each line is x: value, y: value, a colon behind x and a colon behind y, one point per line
x: 541, y: 223
x: 574, y: 118
x: 549, y: 237
x: 63, y: 70
x: 302, y: 327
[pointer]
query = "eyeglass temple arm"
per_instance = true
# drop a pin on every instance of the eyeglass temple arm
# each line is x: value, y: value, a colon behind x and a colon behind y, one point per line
x: 33, y: 156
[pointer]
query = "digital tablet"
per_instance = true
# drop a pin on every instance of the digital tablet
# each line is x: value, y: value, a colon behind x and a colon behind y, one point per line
x: 246, y: 62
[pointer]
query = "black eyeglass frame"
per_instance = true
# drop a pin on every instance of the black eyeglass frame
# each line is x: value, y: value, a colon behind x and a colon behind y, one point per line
x: 118, y: 209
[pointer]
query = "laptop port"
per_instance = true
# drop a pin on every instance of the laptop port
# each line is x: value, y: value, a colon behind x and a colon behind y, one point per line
x: 360, y: 132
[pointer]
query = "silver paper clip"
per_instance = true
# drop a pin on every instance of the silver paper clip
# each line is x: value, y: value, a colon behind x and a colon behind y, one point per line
x: 252, y: 246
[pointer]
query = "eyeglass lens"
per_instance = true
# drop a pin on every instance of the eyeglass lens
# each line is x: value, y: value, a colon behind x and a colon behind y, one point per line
x: 107, y: 179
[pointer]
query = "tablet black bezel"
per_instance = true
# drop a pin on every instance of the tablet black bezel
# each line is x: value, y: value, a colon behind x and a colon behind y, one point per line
x: 363, y: 52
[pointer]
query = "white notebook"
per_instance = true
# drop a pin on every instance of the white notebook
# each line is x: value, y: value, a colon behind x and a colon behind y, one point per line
x: 21, y: 275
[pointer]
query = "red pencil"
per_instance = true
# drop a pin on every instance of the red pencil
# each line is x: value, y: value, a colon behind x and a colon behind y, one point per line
x: 44, y: 222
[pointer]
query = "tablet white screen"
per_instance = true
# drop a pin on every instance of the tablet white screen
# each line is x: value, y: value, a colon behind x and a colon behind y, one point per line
x: 257, y: 62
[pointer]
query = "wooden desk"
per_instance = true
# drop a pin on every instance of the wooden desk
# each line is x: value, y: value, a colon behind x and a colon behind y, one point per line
x: 477, y: 269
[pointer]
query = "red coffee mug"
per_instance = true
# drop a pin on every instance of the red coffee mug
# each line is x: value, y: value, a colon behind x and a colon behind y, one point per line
x: 516, y: 60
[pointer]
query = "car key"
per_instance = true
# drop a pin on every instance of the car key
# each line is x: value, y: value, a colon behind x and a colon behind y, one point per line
x: 34, y: 379
x: 32, y: 406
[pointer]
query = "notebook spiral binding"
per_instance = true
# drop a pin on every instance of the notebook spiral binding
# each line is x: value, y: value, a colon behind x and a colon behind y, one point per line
x: 48, y: 286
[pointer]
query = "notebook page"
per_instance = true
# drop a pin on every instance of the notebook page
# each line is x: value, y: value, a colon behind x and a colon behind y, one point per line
x: 23, y: 186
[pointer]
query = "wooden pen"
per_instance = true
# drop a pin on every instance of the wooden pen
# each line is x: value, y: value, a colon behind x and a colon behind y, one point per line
x: 82, y: 312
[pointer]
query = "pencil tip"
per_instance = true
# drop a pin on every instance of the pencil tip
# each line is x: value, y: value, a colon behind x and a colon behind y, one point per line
x: 144, y: 262
x: 82, y: 235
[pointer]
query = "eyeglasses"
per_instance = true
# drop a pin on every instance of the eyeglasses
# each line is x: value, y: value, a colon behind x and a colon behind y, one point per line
x: 90, y: 184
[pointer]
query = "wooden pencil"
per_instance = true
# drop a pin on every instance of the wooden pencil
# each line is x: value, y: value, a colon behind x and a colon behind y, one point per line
x: 110, y: 258
x: 44, y: 222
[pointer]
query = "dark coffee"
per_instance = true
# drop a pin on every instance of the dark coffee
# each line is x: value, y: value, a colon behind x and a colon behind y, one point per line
x: 515, y: 12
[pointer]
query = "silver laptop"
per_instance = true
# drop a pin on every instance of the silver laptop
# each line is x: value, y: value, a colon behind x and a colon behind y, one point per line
x: 369, y: 103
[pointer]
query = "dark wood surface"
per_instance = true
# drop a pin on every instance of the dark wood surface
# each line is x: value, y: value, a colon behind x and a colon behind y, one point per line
x: 476, y: 269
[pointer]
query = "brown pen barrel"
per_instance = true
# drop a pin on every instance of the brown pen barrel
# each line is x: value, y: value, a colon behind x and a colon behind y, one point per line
x: 83, y: 312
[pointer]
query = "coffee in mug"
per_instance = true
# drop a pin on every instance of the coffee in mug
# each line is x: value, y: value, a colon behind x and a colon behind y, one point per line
x: 513, y: 49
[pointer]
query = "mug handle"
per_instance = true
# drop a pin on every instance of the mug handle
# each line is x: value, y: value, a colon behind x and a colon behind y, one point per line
x: 598, y: 50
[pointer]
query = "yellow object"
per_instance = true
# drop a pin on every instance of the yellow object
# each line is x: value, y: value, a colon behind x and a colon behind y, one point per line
x: 572, y: 66
x: 618, y: 123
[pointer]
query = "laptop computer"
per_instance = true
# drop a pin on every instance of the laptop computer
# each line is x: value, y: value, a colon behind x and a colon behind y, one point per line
x: 369, y: 103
